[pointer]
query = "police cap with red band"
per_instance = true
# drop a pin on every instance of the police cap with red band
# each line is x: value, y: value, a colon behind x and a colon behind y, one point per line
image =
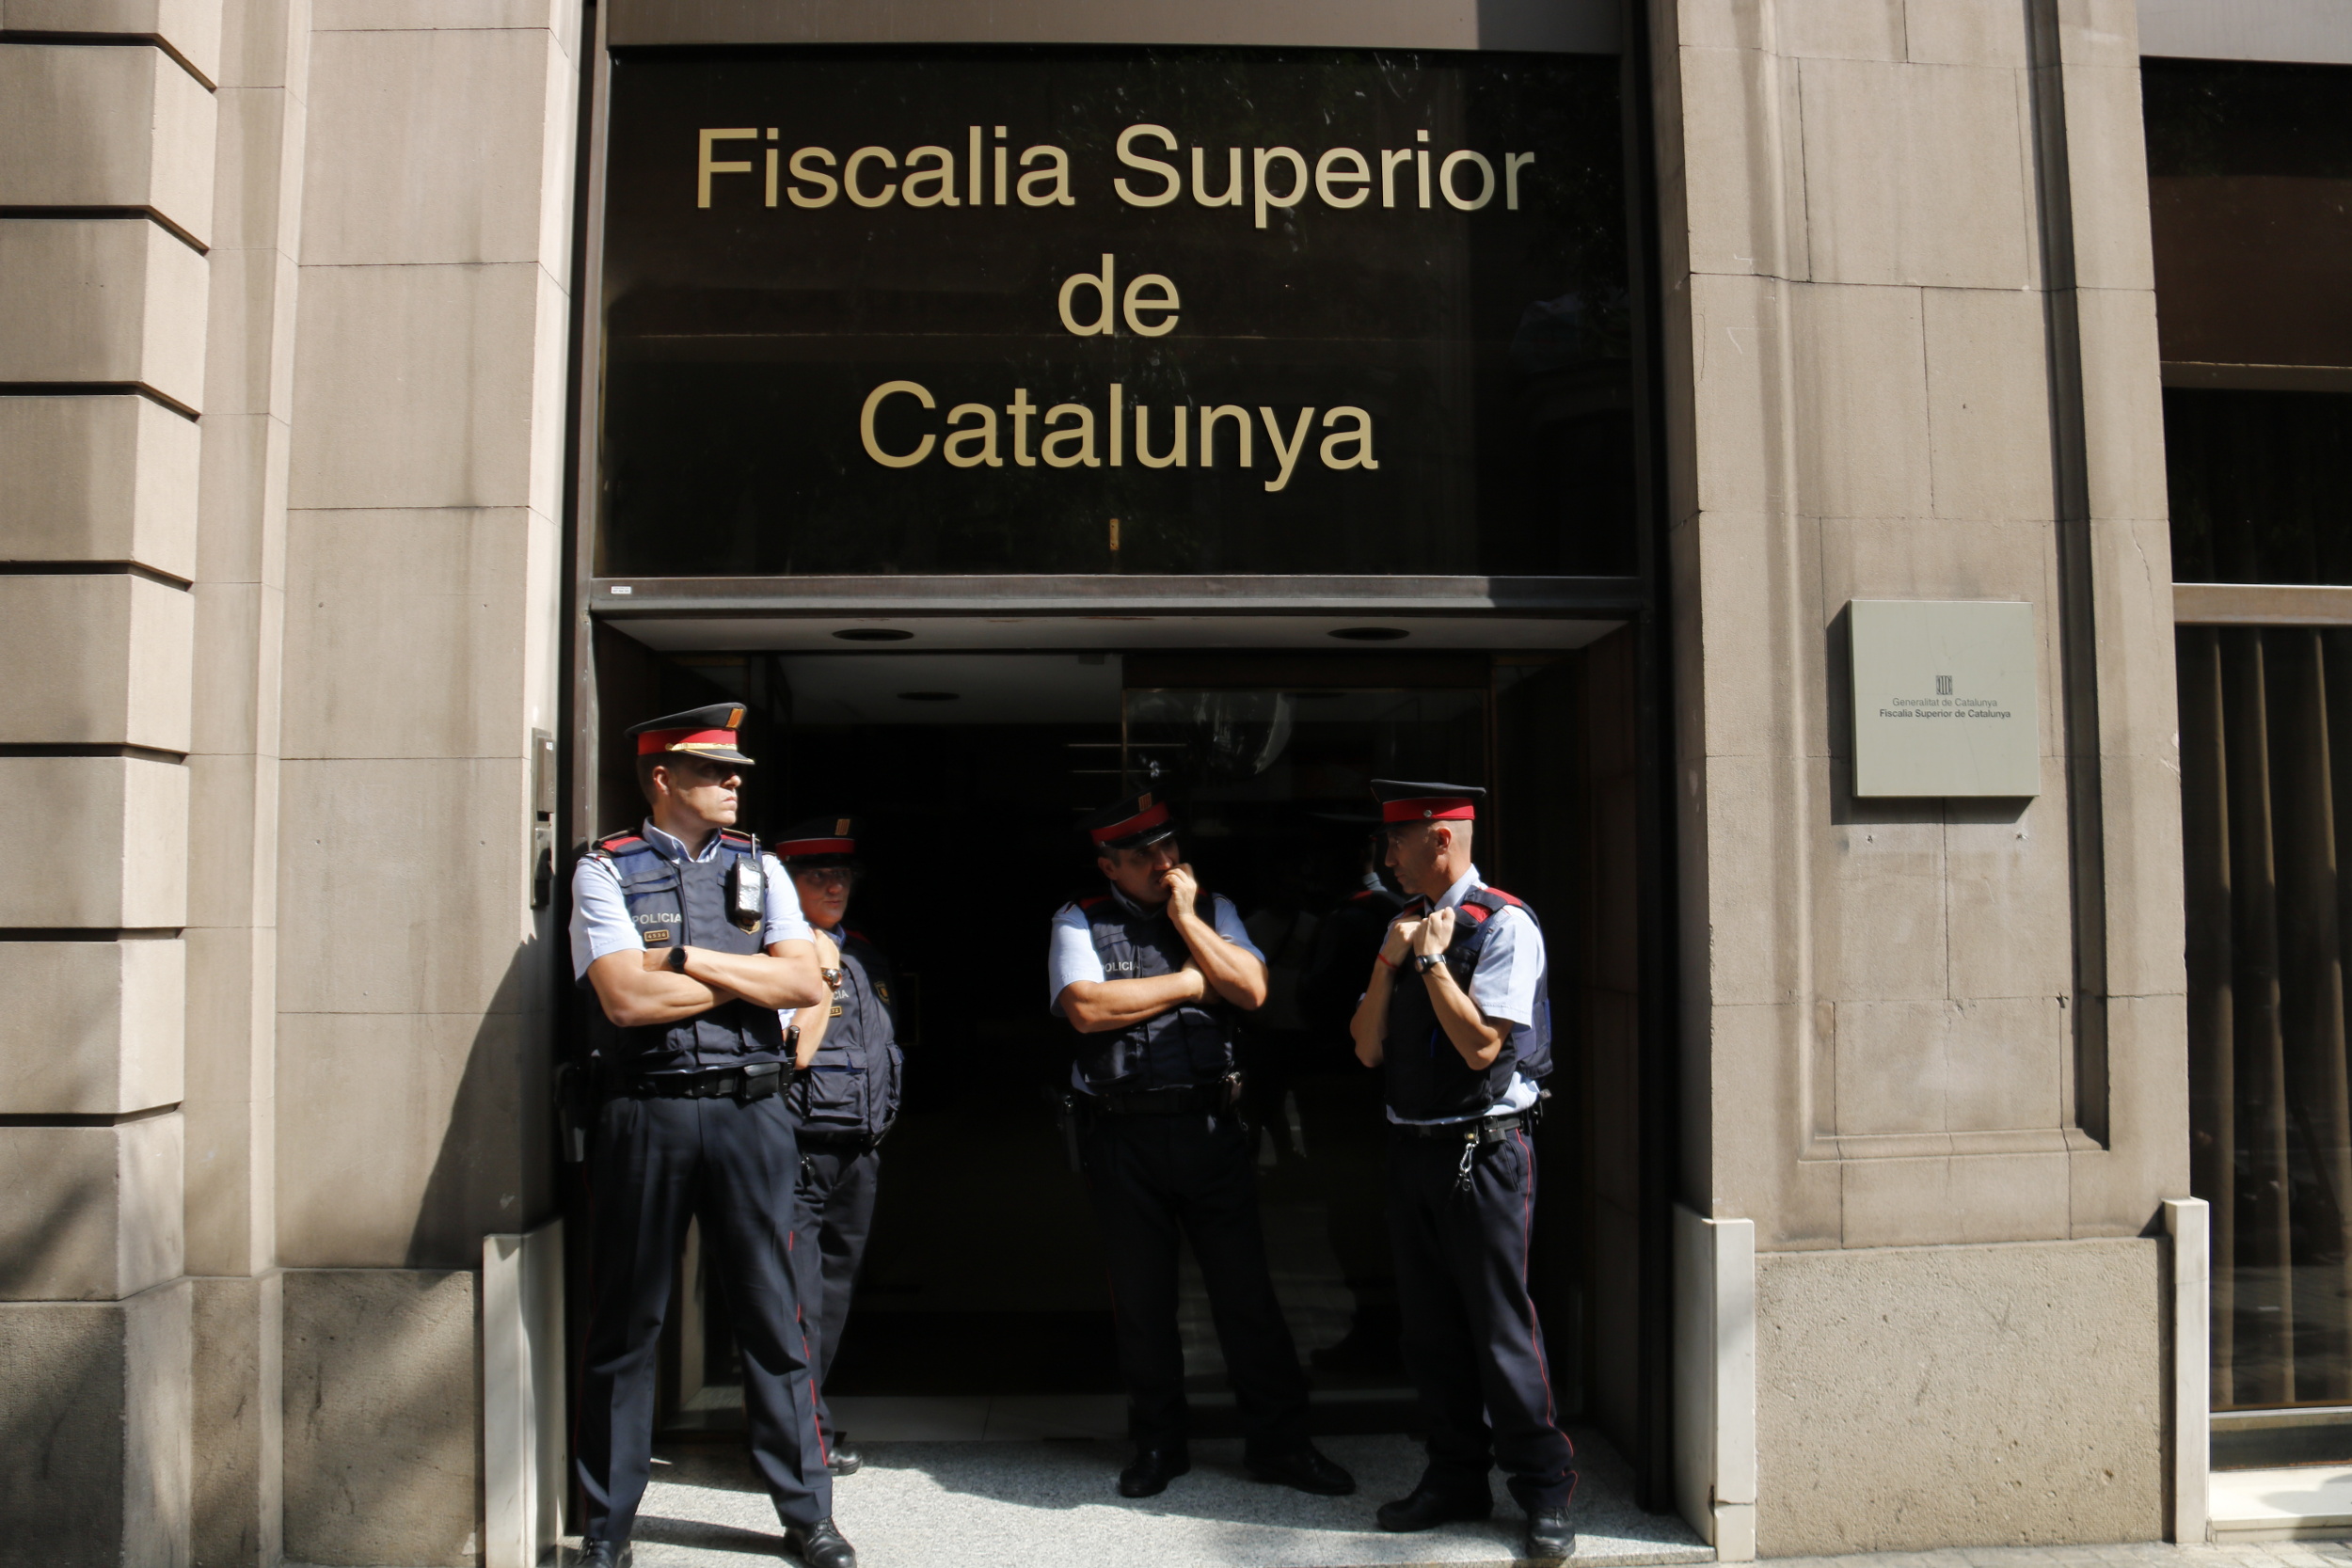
x: 703, y: 732
x: 1407, y: 800
x: 1138, y: 820
x: 818, y: 841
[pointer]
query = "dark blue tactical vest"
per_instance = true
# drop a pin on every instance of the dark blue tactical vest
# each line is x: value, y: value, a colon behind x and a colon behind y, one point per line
x: 1189, y: 1044
x: 1427, y: 1079
x: 684, y: 903
x: 851, y: 1089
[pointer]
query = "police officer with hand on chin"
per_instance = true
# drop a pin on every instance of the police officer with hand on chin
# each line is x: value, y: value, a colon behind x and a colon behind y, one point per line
x: 1151, y: 987
x: 691, y: 943
x: 1457, y: 1016
x: 844, y: 1101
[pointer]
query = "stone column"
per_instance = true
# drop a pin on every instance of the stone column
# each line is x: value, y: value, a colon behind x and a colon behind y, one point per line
x: 107, y: 130
x: 1910, y: 354
x: 232, y: 874
x: 423, y: 581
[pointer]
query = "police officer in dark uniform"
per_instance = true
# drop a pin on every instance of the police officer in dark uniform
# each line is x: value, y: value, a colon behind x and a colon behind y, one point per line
x: 1151, y: 987
x: 844, y: 1102
x: 1458, y: 1014
x: 691, y: 942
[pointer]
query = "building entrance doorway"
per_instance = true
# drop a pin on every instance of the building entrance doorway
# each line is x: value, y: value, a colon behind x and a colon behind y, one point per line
x: 967, y: 772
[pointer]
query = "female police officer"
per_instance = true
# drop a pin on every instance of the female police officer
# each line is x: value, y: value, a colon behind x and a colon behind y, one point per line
x: 844, y: 1103
x: 691, y: 945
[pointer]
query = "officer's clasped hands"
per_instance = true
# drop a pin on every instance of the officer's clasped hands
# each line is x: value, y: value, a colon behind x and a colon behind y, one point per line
x: 1434, y: 934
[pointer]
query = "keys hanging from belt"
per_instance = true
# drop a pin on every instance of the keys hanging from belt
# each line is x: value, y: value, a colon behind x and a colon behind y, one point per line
x: 1469, y: 1157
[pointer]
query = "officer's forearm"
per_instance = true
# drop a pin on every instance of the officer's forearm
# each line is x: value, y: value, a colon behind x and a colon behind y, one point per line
x: 786, y: 977
x: 633, y: 996
x: 1370, y: 1026
x: 1474, y: 1040
x: 1228, y: 967
x: 1098, y: 1006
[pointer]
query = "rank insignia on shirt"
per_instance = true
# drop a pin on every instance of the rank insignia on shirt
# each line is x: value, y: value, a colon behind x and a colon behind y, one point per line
x: 655, y: 939
x: 836, y: 1011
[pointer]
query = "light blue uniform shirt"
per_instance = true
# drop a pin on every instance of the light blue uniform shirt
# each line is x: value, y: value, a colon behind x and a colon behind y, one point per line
x: 1512, y: 982
x: 600, y: 918
x: 1070, y: 958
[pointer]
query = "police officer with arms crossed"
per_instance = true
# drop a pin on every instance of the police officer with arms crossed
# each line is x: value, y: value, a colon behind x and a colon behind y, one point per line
x: 1150, y: 985
x: 692, y: 945
x: 1458, y: 1015
x: 843, y: 1102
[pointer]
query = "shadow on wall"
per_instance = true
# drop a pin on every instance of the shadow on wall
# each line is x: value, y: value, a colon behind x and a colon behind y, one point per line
x: 79, y: 1486
x: 383, y: 1418
x: 494, y: 1172
x: 383, y: 1460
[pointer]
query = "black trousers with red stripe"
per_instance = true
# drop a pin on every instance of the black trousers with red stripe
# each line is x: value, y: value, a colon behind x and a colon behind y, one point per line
x: 1471, y: 1341
x: 656, y: 1164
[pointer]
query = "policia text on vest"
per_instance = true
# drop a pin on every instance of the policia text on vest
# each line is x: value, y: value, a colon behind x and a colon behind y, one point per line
x: 1152, y: 988
x: 697, y: 956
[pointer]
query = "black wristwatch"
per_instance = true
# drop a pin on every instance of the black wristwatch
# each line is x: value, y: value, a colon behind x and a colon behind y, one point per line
x: 677, y: 958
x: 1424, y: 962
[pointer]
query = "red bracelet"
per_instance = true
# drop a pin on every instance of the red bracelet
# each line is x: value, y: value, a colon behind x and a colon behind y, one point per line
x: 1384, y: 958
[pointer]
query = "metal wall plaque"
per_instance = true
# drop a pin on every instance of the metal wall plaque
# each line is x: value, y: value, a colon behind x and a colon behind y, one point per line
x: 1945, y: 698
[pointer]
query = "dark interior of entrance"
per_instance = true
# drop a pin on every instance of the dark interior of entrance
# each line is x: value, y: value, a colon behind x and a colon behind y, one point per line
x: 967, y: 772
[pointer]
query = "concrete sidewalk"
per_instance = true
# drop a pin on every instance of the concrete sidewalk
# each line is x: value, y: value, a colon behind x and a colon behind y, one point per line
x: 1054, y: 1505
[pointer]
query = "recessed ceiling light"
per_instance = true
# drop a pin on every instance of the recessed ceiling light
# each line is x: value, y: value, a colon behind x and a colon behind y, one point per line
x: 928, y: 696
x: 872, y: 634
x: 1371, y: 634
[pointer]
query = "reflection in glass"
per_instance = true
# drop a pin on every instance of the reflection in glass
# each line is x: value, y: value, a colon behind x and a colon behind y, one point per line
x: 2256, y: 479
x: 2267, y: 791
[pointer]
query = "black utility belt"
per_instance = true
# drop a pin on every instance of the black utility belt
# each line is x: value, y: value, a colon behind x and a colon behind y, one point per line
x: 1181, y: 1099
x: 1485, y: 1130
x: 755, y: 1080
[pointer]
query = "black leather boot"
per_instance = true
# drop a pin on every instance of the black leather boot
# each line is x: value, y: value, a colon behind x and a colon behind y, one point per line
x: 1427, y: 1507
x: 1305, y: 1468
x: 1549, y: 1532
x: 819, y: 1545
x: 1154, y: 1466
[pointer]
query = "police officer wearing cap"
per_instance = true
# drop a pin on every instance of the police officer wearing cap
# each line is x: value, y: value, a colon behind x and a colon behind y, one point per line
x: 1458, y: 1017
x: 843, y: 1101
x: 1152, y: 988
x: 691, y: 942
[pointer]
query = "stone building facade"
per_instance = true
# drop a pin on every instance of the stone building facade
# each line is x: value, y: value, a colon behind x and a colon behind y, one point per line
x: 297, y: 622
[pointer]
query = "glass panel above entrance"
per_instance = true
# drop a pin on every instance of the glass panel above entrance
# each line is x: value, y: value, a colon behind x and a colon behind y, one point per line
x: 1133, y: 310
